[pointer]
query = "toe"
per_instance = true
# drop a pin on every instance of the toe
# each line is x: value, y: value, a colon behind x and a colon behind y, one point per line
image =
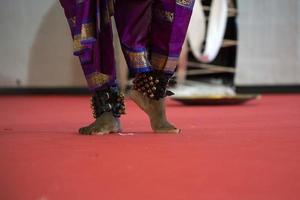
x: 85, y: 131
x: 173, y: 130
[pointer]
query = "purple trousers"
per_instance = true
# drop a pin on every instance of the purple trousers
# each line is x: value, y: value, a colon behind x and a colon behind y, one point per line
x: 151, y: 33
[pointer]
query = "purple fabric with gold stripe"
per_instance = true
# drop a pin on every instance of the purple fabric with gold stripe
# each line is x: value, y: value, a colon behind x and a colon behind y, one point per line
x: 151, y: 34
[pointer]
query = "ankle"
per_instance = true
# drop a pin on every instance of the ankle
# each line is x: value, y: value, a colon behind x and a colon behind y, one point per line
x: 108, y: 102
x: 152, y: 85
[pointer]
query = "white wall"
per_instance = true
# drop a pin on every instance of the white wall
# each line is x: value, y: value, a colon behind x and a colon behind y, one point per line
x: 269, y: 42
x: 35, y: 46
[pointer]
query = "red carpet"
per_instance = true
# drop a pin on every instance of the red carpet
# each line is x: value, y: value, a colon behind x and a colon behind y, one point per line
x: 224, y: 153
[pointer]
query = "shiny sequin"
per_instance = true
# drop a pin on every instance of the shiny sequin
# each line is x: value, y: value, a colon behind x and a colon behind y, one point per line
x: 185, y: 3
x: 163, y: 15
x: 72, y: 22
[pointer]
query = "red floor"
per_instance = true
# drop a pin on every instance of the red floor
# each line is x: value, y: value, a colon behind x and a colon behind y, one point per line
x: 225, y: 152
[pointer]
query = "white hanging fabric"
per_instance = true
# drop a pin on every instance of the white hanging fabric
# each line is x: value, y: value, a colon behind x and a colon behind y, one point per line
x: 215, y: 30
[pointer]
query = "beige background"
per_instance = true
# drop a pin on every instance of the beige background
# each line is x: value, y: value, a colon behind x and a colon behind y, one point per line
x: 35, y: 46
x: 269, y: 49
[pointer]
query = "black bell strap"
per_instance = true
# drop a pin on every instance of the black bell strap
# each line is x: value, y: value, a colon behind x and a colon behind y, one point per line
x: 108, y: 100
x: 152, y: 84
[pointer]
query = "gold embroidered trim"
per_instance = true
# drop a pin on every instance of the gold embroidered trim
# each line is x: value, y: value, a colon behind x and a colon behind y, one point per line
x: 162, y: 62
x: 87, y: 31
x: 185, y: 3
x: 97, y: 79
x: 137, y: 59
x: 77, y: 46
x: 164, y: 15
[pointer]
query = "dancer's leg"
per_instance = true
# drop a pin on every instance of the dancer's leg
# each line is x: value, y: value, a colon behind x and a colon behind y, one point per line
x: 133, y: 20
x: 170, y: 20
x: 169, y: 26
x: 144, y: 45
x: 95, y: 50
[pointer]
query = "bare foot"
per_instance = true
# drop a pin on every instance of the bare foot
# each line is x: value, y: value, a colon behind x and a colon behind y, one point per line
x: 103, y: 125
x: 155, y: 111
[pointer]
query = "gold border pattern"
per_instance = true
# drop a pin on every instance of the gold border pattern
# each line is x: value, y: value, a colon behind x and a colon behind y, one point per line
x: 137, y: 59
x: 88, y: 31
x: 162, y: 62
x: 77, y: 46
x: 97, y: 79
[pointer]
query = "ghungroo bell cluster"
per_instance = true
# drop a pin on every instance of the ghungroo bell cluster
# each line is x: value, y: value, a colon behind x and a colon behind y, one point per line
x: 108, y: 100
x: 152, y: 84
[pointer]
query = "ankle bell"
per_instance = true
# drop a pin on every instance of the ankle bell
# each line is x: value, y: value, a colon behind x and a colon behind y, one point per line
x: 152, y: 84
x: 108, y: 100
